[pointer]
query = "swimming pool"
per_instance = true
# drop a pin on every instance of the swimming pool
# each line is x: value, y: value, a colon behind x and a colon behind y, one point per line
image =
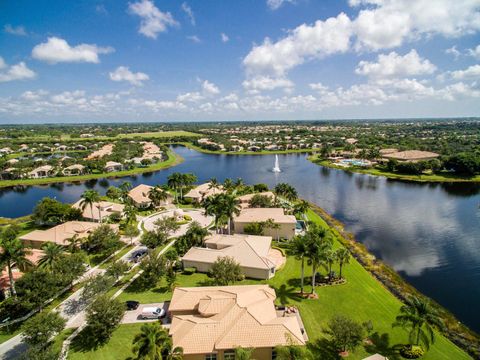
x: 354, y: 162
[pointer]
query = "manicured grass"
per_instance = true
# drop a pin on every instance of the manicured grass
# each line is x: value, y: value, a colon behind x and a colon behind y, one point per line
x: 445, y: 177
x: 362, y: 298
x: 173, y: 159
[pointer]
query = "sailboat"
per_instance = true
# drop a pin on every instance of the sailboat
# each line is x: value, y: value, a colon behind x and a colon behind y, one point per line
x: 276, y: 168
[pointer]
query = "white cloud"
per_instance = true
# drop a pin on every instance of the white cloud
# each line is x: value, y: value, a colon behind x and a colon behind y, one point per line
x: 123, y: 73
x: 188, y: 10
x: 194, y: 38
x: 18, y: 71
x: 454, y: 52
x: 76, y: 97
x: 276, y: 4
x: 262, y: 83
x: 458, y: 91
x: 224, y: 37
x: 210, y: 88
x: 34, y: 95
x: 153, y: 20
x: 394, y: 65
x: 472, y: 72
x: 57, y: 50
x: 15, y: 30
x: 475, y: 52
x: 388, y: 23
x: 190, y: 97
x: 303, y: 43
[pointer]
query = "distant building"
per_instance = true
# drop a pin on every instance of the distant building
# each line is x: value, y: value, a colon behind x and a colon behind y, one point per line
x: 112, y: 166
x: 286, y: 223
x: 210, y: 322
x: 411, y: 155
x: 201, y: 192
x: 41, y: 172
x: 72, y: 170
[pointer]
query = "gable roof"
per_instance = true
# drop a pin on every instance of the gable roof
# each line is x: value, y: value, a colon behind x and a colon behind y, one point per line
x: 203, y: 191
x: 206, y: 319
x: 106, y: 207
x: 139, y: 194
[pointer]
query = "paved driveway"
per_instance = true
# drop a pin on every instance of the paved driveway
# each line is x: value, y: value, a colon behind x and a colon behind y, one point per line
x: 133, y: 316
x: 196, y: 215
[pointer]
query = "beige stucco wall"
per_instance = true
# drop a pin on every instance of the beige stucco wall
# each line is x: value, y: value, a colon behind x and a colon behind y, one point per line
x: 258, y: 354
x: 286, y: 231
x: 248, y: 272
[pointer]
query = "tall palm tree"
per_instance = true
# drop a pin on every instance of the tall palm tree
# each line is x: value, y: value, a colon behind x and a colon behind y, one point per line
x: 196, y: 233
x: 74, y: 243
x: 188, y: 180
x: 343, y: 258
x: 239, y: 183
x: 151, y: 342
x: 130, y: 212
x: 213, y: 184
x: 285, y: 190
x: 52, y: 254
x: 14, y: 252
x: 301, y: 208
x: 318, y: 242
x: 299, y: 249
x: 330, y: 258
x: 271, y: 224
x: 421, y: 319
x: 174, y: 181
x: 211, y: 206
x: 157, y: 195
x: 172, y: 353
x: 228, y: 185
x: 229, y: 206
x: 90, y: 197
x: 125, y: 187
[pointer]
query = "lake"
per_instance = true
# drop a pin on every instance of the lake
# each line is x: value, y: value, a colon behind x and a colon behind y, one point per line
x: 429, y: 233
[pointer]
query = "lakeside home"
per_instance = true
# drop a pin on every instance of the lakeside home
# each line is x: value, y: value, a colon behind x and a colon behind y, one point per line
x: 254, y: 254
x: 286, y: 223
x: 112, y: 166
x: 210, y: 322
x: 61, y: 233
x: 41, y: 172
x: 245, y: 199
x: 105, y: 208
x: 411, y: 155
x: 201, y: 192
x: 76, y: 169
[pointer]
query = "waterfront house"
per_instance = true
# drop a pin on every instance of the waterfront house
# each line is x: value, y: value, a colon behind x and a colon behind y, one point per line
x: 210, y: 322
x: 105, y: 208
x: 112, y: 166
x: 245, y: 199
x: 253, y: 253
x: 41, y: 172
x: 286, y: 223
x: 61, y: 233
x: 76, y: 169
x: 201, y: 192
x: 411, y: 155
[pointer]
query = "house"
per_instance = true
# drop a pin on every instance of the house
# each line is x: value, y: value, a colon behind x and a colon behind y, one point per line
x: 245, y: 199
x: 210, y: 322
x: 141, y: 199
x: 111, y: 166
x: 9, y: 174
x: 201, y: 192
x: 286, y: 223
x: 411, y: 155
x: 41, y: 172
x: 61, y: 233
x: 104, y: 151
x: 33, y: 256
x: 104, y: 208
x: 6, y: 151
x: 71, y: 170
x: 254, y: 254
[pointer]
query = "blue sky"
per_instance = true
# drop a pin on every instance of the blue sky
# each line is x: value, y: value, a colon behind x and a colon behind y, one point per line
x: 145, y: 60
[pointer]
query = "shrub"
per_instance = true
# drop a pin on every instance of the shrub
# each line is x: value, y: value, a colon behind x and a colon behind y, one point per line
x: 412, y: 351
x: 189, y: 270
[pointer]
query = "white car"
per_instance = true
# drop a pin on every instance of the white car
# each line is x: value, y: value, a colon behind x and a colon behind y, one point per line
x: 152, y: 313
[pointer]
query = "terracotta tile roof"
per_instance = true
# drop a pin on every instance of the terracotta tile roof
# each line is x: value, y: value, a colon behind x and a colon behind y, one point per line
x: 107, y: 208
x: 207, y: 319
x: 263, y: 214
x: 248, y: 250
x: 411, y: 155
x: 203, y: 191
x: 245, y: 199
x: 139, y: 194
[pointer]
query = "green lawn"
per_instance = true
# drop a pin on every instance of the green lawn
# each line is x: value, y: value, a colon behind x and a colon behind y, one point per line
x: 362, y: 298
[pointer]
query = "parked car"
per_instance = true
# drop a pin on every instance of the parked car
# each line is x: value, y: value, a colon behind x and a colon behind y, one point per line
x: 152, y: 313
x: 132, y: 304
x: 137, y: 255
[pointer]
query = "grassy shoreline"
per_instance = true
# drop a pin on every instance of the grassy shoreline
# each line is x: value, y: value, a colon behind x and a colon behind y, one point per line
x: 263, y: 152
x: 173, y: 159
x: 395, y: 176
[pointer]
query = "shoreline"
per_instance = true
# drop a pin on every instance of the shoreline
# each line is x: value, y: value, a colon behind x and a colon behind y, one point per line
x: 457, y: 332
x: 395, y: 176
x: 173, y: 160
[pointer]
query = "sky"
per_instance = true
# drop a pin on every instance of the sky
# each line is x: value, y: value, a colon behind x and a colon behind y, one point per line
x: 195, y: 60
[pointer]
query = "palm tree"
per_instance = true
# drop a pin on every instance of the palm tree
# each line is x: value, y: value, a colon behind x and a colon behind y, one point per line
x: 52, y: 254
x: 301, y: 208
x: 74, y: 243
x: 188, y: 180
x: 174, y: 181
x: 213, y: 184
x: 330, y: 258
x: 239, y: 183
x: 211, y: 206
x: 229, y: 206
x: 157, y: 195
x: 343, y: 258
x: 14, y: 252
x: 285, y: 190
x: 151, y: 342
x: 130, y: 212
x: 124, y: 189
x: 318, y: 243
x: 421, y: 319
x: 90, y: 197
x: 243, y: 353
x: 228, y: 185
x: 299, y: 249
x: 173, y: 353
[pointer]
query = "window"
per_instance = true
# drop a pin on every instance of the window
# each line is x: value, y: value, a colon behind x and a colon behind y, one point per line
x: 274, y: 354
x: 229, y: 355
x: 211, y: 356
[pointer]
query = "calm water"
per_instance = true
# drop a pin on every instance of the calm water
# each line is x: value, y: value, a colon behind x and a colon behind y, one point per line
x: 430, y: 234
